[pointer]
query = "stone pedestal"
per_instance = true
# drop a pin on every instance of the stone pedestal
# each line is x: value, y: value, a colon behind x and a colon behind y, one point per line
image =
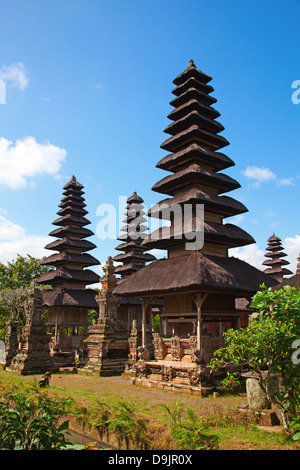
x: 106, y: 347
x: 32, y: 355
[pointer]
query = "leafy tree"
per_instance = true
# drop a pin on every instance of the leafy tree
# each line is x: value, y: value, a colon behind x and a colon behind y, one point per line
x: 266, y: 347
x: 20, y: 272
x: 15, y: 279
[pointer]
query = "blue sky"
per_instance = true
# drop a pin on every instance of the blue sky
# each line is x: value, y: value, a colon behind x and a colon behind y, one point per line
x: 88, y: 85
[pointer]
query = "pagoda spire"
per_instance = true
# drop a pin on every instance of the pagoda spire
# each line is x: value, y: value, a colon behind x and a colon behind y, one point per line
x: 72, y: 248
x: 134, y: 256
x: 298, y: 265
x: 275, y: 262
x: 195, y: 164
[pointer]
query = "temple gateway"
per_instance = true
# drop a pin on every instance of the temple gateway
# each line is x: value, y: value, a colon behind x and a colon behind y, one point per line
x: 200, y: 286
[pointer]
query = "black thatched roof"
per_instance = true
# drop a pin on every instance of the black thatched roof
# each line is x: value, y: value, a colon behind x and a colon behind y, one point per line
x: 63, y: 297
x: 194, y: 153
x: 195, y: 272
x: 293, y: 281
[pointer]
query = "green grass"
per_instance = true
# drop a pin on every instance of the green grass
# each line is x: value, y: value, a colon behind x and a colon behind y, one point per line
x: 134, y: 416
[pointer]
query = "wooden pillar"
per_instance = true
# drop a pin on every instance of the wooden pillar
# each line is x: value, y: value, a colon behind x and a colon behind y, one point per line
x: 145, y: 303
x: 199, y: 299
x: 199, y: 323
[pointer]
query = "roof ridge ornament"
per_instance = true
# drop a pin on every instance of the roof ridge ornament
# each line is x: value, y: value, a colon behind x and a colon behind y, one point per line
x: 191, y: 64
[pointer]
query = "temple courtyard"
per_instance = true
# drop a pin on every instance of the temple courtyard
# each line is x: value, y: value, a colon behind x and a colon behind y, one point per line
x: 232, y: 428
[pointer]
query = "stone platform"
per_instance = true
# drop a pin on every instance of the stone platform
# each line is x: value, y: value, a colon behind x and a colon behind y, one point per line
x: 184, y: 377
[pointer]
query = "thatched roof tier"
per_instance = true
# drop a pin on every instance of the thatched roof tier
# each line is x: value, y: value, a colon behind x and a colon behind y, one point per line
x: 70, y: 297
x: 277, y: 270
x: 129, y: 246
x: 194, y: 118
x: 135, y: 199
x: 193, y: 105
x: 293, y: 281
x: 192, y: 94
x: 64, y: 257
x: 194, y: 273
x: 78, y: 202
x: 275, y: 254
x: 194, y: 153
x: 192, y: 72
x: 128, y: 268
x: 71, y: 220
x: 68, y: 230
x: 228, y: 234
x: 192, y: 82
x: 135, y: 256
x: 67, y: 242
x: 223, y: 205
x: 194, y: 135
x: 195, y: 175
x: 63, y: 274
x: 271, y: 262
x: 72, y: 209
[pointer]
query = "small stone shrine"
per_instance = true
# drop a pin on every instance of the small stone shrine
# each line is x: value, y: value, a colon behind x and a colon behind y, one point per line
x: 106, y: 347
x: 28, y: 352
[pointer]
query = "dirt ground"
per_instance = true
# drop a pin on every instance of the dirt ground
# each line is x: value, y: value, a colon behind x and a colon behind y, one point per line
x: 99, y: 387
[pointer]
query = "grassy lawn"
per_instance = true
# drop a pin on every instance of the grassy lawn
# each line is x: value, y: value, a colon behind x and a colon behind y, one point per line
x: 219, y: 418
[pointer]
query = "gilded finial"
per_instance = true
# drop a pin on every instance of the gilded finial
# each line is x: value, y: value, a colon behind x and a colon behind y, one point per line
x: 73, y: 178
x: 298, y: 265
x: 191, y: 64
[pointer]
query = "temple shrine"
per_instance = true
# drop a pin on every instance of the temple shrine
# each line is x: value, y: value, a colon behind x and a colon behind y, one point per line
x: 199, y: 285
x: 68, y: 301
x: 275, y: 262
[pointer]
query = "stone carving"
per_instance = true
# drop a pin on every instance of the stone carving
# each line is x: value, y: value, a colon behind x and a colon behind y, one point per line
x: 168, y: 373
x: 158, y: 344
x: 194, y: 376
x: 176, y: 348
x: 195, y: 353
x: 143, y: 353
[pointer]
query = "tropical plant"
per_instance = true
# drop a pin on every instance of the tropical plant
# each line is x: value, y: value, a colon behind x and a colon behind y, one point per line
x: 265, y: 347
x: 29, y: 420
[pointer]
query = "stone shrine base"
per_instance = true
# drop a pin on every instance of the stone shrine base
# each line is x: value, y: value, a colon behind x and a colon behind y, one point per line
x: 180, y: 377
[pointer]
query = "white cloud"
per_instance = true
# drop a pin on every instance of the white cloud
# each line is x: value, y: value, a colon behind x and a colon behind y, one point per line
x: 286, y: 182
x: 15, y: 74
x: 14, y: 240
x: 26, y: 159
x: 259, y: 175
x: 264, y: 175
x: 292, y: 249
x: 253, y: 255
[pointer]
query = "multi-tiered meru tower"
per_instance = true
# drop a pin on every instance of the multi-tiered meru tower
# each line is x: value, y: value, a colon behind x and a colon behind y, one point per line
x: 275, y: 262
x: 199, y: 282
x: 69, y: 300
x: 134, y: 256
